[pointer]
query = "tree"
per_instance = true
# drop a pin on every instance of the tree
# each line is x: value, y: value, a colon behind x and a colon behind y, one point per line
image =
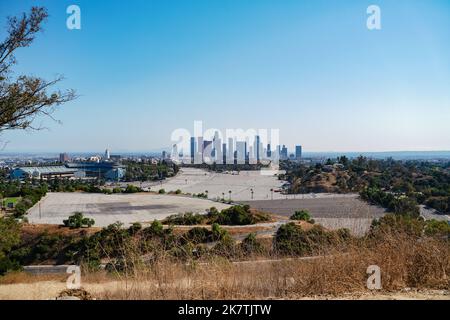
x: 9, y: 238
x: 77, y: 220
x: 23, y: 98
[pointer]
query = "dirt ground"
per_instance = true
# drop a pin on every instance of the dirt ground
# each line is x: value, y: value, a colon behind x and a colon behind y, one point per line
x: 50, y: 289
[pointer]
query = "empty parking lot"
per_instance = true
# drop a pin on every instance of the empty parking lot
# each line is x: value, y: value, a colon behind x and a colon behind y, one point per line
x: 107, y: 209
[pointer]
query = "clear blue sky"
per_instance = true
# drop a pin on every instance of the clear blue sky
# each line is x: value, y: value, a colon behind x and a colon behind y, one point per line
x: 310, y: 68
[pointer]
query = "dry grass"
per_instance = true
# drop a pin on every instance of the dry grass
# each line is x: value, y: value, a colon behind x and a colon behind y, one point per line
x: 404, y: 262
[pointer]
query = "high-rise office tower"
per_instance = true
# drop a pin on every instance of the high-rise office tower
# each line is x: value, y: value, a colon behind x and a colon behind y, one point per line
x: 298, y: 152
x: 224, y: 153
x: 241, y: 152
x: 230, y: 155
x: 284, y: 153
x: 192, y: 149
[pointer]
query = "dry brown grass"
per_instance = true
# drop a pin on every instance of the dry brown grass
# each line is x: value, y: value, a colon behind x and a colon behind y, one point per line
x: 404, y: 262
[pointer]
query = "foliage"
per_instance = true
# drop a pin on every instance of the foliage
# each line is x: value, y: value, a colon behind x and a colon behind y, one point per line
x: 251, y: 245
x: 302, y: 215
x: 235, y: 215
x: 23, y: 98
x: 412, y: 226
x: 378, y: 181
x: 291, y: 239
x: 77, y: 220
x: 9, y: 238
x: 395, y: 204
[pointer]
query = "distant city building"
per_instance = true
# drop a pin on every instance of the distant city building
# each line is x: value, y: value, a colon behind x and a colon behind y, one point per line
x: 207, y: 150
x: 230, y: 155
x: 115, y: 157
x: 193, y: 151
x: 107, y: 156
x: 284, y: 153
x: 298, y: 152
x: 241, y: 152
x: 63, y: 157
x: 224, y: 153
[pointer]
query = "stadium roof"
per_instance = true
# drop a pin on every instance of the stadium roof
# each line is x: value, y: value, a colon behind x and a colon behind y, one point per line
x: 47, y: 170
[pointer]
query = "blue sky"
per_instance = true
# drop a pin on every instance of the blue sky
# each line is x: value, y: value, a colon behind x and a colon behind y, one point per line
x: 312, y: 69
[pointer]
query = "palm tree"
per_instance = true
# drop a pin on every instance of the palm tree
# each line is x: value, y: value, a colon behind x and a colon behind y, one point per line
x: 229, y: 193
x: 223, y: 196
x: 206, y: 191
x: 271, y: 193
x: 251, y: 190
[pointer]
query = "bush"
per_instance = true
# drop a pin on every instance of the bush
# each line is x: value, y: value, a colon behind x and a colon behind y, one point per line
x: 238, y: 215
x: 77, y: 220
x: 162, y: 191
x: 251, y: 245
x: 132, y: 189
x: 302, y: 215
x: 134, y: 228
x: 186, y: 219
x: 9, y: 238
x: 198, y: 235
x: 291, y: 239
x: 117, y: 190
x: 155, y: 229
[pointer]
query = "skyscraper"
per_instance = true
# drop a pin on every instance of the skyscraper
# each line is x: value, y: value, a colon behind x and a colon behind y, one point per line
x: 224, y: 153
x: 107, y: 154
x: 241, y: 152
x: 258, y: 146
x: 230, y: 155
x: 298, y: 152
x: 192, y: 149
x: 217, y: 148
x: 284, y: 153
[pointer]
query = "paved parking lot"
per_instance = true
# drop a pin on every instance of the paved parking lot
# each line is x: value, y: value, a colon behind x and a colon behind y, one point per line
x: 191, y: 180
x: 107, y: 209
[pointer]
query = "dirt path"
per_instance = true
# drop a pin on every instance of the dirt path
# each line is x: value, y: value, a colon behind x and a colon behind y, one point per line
x: 50, y: 289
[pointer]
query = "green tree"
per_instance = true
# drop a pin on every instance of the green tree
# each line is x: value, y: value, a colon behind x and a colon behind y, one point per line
x: 9, y: 238
x: 77, y: 220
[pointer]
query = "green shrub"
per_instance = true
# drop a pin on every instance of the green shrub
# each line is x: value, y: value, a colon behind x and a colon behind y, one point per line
x: 77, y: 220
x: 186, y: 219
x: 198, y: 235
x: 302, y: 215
x: 132, y: 189
x: 9, y: 238
x: 251, y: 245
x: 291, y: 239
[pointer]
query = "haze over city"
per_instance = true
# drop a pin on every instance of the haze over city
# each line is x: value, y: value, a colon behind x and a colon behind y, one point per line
x: 312, y: 70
